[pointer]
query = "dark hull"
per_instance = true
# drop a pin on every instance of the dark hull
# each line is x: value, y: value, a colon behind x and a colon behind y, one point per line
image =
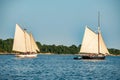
x: 95, y: 57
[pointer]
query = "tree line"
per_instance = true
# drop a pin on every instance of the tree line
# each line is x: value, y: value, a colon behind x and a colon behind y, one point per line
x: 6, y: 47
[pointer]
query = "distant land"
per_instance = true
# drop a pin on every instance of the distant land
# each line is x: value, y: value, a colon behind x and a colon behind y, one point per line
x: 6, y: 48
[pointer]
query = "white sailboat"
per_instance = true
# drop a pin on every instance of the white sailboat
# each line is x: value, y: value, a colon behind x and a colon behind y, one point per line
x: 24, y: 43
x: 93, y: 46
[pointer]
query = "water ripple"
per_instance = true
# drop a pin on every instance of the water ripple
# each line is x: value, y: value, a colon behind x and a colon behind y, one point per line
x: 58, y: 67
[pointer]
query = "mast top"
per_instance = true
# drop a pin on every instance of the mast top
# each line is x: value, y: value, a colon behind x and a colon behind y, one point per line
x: 98, y: 21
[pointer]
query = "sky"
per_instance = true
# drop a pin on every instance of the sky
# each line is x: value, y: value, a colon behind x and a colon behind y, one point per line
x: 61, y: 22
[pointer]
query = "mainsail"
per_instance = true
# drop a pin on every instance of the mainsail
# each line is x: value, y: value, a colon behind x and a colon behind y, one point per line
x: 24, y: 42
x: 90, y: 43
x: 19, y: 40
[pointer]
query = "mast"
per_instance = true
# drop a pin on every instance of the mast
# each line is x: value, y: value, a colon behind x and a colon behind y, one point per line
x: 93, y: 42
x: 98, y: 32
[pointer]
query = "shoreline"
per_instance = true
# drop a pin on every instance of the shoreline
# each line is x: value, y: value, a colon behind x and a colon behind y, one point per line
x: 50, y: 54
x: 7, y: 53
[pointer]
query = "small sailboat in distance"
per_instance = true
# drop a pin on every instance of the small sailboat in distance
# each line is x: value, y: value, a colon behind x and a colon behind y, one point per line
x: 24, y: 43
x: 93, y: 46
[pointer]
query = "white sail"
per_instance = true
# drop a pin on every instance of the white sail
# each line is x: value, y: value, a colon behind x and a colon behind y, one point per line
x: 19, y: 40
x: 34, y: 47
x: 27, y: 41
x: 103, y: 48
x: 90, y: 43
x: 24, y: 42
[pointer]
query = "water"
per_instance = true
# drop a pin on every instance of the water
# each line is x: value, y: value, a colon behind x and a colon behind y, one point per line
x: 58, y: 67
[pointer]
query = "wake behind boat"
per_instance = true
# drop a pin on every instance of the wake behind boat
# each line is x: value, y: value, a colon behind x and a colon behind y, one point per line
x: 93, y: 46
x: 24, y: 43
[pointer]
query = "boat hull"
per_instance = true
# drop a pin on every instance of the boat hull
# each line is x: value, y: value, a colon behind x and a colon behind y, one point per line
x: 26, y: 55
x: 90, y: 57
x: 93, y: 57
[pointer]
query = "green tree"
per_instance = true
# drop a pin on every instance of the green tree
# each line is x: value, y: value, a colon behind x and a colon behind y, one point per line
x: 6, y: 46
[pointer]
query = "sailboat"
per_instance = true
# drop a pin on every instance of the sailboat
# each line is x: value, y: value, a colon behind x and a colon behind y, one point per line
x: 24, y: 43
x: 93, y: 46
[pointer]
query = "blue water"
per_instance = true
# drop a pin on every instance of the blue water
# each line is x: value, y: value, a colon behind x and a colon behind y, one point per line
x: 58, y: 67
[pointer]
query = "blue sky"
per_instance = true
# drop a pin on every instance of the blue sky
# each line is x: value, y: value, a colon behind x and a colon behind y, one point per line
x: 61, y: 22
